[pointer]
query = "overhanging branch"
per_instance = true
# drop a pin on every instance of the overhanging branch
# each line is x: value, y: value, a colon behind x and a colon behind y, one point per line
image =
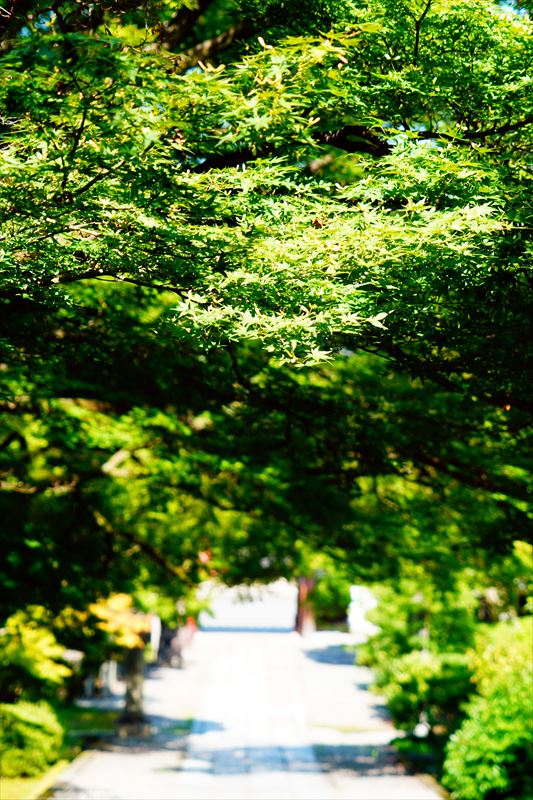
x: 149, y: 550
x: 351, y: 138
x: 469, y: 136
x: 91, y: 274
x: 174, y: 31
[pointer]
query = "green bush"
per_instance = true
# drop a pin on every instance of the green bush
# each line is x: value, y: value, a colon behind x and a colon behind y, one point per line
x: 30, y: 657
x: 491, y: 756
x: 414, y: 616
x: 330, y: 599
x: 30, y: 738
x: 427, y: 686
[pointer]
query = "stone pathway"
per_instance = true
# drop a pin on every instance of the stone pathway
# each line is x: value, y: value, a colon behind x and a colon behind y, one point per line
x: 274, y: 717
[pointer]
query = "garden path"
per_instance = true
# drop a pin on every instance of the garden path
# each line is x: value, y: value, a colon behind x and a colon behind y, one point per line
x: 274, y: 716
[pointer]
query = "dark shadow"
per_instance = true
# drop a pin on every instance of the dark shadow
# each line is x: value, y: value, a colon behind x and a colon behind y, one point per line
x: 333, y: 654
x: 205, y: 726
x: 182, y: 727
x: 380, y: 711
x: 168, y: 733
x: 364, y: 760
x: 226, y: 629
x: 154, y: 672
x: 90, y: 738
x: 360, y: 760
x: 368, y: 760
x: 107, y: 702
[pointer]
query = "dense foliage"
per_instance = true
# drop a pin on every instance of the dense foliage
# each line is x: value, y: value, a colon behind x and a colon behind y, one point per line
x: 455, y: 678
x: 491, y: 754
x: 30, y: 738
x: 189, y: 206
x: 264, y: 288
x: 30, y: 656
x: 429, y: 689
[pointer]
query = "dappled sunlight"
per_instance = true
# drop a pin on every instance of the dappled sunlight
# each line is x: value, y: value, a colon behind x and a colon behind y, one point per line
x: 265, y: 399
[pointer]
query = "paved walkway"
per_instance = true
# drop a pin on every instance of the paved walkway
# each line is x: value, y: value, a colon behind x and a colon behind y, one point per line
x: 272, y: 719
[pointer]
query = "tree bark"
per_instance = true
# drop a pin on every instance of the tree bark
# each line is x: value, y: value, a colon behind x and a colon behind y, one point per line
x: 305, y: 619
x: 133, y: 722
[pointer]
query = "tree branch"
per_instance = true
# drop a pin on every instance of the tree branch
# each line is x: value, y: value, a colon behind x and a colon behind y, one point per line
x: 468, y: 136
x: 91, y: 274
x: 469, y: 476
x: 19, y: 487
x: 148, y: 549
x: 210, y: 47
x: 356, y: 139
x: 434, y: 372
x: 12, y: 14
x: 75, y: 144
x: 351, y: 138
x: 418, y: 26
x: 174, y: 31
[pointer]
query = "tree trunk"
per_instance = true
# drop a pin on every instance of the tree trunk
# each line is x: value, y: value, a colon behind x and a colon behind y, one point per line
x: 133, y: 722
x: 305, y: 618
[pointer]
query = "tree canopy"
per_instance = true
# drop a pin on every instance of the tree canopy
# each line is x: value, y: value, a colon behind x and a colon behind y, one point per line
x: 264, y: 275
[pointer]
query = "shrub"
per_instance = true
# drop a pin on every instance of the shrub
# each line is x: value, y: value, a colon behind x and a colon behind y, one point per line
x: 330, y: 599
x: 490, y: 756
x: 414, y: 616
x: 427, y: 686
x: 29, y: 656
x: 30, y: 738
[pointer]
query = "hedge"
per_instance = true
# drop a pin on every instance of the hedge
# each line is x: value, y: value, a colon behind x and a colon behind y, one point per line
x: 30, y: 738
